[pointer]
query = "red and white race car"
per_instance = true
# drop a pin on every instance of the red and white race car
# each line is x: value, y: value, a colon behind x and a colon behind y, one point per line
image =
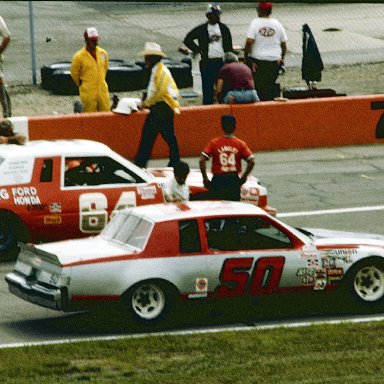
x: 150, y: 257
x: 54, y: 190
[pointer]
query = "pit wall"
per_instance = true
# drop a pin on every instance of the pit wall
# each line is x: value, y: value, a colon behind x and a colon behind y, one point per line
x: 267, y: 126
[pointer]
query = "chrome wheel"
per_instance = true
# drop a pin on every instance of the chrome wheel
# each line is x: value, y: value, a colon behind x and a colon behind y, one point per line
x: 148, y: 301
x: 369, y: 283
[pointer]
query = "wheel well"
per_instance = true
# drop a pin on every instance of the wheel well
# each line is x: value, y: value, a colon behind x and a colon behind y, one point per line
x: 165, y: 284
x: 366, y: 261
x: 19, y: 225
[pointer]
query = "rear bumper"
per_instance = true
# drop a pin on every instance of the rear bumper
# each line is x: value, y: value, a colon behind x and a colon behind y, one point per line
x: 48, y: 297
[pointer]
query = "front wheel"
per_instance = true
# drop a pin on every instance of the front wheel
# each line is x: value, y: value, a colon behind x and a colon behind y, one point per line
x: 12, y: 230
x: 149, y: 302
x: 366, y: 281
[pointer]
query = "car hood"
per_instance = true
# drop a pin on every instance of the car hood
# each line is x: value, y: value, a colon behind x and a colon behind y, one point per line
x: 83, y: 250
x: 328, y: 237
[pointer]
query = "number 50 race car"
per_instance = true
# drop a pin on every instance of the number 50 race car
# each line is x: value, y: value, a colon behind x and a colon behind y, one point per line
x: 55, y: 190
x: 150, y: 257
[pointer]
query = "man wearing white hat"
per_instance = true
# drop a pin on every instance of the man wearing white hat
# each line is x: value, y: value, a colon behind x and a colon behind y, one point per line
x: 88, y: 70
x: 161, y: 99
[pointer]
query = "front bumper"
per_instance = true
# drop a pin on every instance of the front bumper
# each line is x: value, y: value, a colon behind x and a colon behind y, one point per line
x: 45, y: 296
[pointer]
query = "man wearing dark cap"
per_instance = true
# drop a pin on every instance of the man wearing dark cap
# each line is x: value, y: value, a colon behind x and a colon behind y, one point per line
x: 227, y: 153
x: 213, y: 40
x: 264, y: 52
x: 88, y: 70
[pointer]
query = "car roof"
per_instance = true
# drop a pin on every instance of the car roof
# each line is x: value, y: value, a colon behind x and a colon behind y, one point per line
x: 54, y: 148
x: 195, y: 209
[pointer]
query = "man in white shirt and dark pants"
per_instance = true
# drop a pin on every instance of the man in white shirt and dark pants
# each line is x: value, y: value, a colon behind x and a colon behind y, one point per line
x: 213, y: 40
x: 264, y: 52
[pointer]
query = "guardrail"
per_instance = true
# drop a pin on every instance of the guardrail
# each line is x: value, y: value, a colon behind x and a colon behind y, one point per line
x: 267, y: 126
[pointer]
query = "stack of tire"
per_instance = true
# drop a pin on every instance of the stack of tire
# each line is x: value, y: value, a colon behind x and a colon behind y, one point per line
x: 121, y: 76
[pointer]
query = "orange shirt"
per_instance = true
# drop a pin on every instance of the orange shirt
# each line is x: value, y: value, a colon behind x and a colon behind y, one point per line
x: 226, y: 153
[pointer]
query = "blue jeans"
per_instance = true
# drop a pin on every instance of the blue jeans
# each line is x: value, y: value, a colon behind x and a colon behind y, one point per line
x: 242, y: 96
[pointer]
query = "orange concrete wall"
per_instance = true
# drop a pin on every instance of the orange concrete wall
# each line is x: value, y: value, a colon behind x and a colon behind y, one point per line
x: 267, y: 126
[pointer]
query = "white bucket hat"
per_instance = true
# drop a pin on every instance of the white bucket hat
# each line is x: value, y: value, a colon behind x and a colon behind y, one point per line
x: 127, y: 105
x: 152, y: 49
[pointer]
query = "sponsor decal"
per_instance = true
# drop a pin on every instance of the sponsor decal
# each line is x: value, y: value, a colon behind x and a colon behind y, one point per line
x: 306, y: 271
x: 313, y: 263
x: 308, y: 252
x: 335, y: 275
x: 198, y: 295
x: 340, y: 254
x: 4, y: 195
x: 25, y: 196
x: 148, y: 192
x: 250, y: 194
x: 201, y: 284
x: 55, y: 207
x: 52, y: 220
x: 307, y: 280
x: 329, y: 262
x: 320, y: 284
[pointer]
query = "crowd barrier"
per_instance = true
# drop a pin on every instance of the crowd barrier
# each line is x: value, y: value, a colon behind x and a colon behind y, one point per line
x: 267, y: 126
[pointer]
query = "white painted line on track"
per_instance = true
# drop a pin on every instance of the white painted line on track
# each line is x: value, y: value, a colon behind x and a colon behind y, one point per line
x: 364, y: 319
x: 331, y: 211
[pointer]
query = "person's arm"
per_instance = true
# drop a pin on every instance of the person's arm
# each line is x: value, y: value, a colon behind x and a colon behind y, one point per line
x: 250, y: 164
x: 283, y: 51
x: 75, y: 70
x: 190, y: 38
x: 4, y: 43
x: 247, y: 50
x: 219, y: 90
x: 203, y: 169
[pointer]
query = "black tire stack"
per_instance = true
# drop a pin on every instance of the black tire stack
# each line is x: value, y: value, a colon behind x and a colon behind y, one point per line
x: 121, y: 76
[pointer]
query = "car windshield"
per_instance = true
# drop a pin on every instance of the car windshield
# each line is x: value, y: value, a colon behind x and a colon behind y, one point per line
x: 128, y: 229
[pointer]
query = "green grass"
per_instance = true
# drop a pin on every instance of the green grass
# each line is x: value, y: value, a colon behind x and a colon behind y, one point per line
x: 334, y: 354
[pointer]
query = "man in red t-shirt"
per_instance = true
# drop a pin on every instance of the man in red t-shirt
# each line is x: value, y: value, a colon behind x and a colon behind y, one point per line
x: 226, y: 153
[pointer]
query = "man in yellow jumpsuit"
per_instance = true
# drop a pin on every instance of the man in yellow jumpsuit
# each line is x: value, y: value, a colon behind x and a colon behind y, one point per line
x: 88, y: 70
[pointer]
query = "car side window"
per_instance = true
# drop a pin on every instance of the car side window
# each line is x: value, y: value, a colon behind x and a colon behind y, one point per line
x: 244, y: 233
x: 97, y: 171
x: 46, y: 171
x: 189, y: 237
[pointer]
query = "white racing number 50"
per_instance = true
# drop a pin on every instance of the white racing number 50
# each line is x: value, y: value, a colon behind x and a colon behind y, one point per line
x: 93, y: 209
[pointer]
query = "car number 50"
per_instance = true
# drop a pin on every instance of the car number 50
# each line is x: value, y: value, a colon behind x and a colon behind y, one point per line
x: 237, y: 281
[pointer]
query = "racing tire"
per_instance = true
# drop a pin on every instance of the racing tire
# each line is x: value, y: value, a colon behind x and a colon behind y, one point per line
x: 62, y: 83
x: 365, y: 282
x: 126, y: 78
x: 149, y: 302
x: 46, y: 72
x: 12, y: 230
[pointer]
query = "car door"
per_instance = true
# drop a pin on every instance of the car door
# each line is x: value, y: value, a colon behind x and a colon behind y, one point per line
x: 251, y: 255
x: 95, y: 187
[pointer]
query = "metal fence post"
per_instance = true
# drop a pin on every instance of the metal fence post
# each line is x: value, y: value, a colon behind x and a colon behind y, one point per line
x: 32, y: 33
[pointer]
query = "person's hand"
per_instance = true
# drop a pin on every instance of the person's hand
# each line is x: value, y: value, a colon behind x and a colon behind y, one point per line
x: 207, y: 183
x: 254, y: 67
x: 243, y: 179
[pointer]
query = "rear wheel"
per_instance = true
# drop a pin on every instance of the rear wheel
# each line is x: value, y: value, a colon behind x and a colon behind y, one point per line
x: 366, y: 281
x: 149, y: 302
x: 12, y: 230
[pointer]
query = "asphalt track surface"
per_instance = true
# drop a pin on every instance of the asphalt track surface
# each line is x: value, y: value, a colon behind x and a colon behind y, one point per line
x: 337, y: 188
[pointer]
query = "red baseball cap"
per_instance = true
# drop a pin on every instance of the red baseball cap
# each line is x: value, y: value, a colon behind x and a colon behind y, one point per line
x: 91, y: 33
x: 263, y: 5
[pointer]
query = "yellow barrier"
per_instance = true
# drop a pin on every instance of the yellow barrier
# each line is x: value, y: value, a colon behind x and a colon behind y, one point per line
x: 267, y: 126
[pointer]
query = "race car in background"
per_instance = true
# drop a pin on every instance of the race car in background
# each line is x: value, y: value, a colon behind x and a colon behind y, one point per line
x: 63, y: 189
x: 149, y: 258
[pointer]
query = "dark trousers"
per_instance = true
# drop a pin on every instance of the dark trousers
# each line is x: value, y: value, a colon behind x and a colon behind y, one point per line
x: 224, y: 186
x: 159, y: 120
x: 209, y: 68
x: 265, y: 78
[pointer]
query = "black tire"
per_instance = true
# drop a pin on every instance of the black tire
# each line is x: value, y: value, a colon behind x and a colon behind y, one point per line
x: 181, y: 73
x: 46, y: 72
x: 149, y: 302
x: 12, y: 230
x: 126, y: 78
x: 364, y: 282
x: 62, y: 83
